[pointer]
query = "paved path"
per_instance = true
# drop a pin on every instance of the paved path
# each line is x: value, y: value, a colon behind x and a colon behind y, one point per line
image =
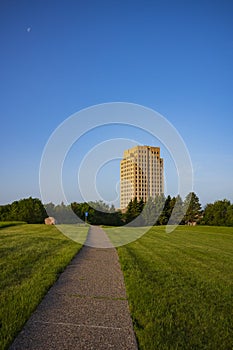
x: 86, y: 308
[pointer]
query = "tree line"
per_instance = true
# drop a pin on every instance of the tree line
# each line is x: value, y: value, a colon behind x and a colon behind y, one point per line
x: 99, y: 213
x: 30, y: 210
x: 160, y: 210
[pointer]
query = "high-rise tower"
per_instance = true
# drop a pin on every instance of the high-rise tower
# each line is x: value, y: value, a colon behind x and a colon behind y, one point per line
x: 142, y: 174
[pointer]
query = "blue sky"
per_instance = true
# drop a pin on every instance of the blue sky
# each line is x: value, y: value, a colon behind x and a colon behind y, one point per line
x: 58, y: 57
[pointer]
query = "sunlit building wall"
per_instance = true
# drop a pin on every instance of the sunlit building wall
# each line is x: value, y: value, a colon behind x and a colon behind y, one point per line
x: 142, y: 174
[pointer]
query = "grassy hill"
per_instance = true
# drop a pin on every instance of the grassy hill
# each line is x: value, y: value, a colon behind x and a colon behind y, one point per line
x: 180, y: 287
x: 31, y: 258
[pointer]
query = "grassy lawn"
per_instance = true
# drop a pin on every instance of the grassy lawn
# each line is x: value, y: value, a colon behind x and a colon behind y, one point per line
x: 180, y: 287
x: 10, y: 223
x: 123, y: 235
x: 31, y: 258
x: 76, y: 232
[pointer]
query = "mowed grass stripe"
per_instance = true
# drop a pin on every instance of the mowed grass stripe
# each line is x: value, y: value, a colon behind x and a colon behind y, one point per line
x: 31, y: 258
x: 202, y: 250
x: 180, y: 288
x: 11, y: 223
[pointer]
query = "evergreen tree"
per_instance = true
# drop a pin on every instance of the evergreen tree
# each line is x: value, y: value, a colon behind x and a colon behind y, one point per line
x: 141, y: 205
x: 192, y: 208
x: 159, y: 205
x: 129, y: 212
x: 149, y: 212
x: 165, y: 215
x: 133, y: 210
x: 177, y: 211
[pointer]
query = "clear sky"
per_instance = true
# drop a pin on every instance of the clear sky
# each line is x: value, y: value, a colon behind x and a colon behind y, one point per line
x: 58, y: 57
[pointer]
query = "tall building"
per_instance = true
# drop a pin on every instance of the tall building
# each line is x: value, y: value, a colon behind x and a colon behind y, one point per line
x: 142, y: 174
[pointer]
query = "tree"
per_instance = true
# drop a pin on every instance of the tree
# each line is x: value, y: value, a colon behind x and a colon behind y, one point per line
x: 177, y: 211
x: 81, y: 208
x: 192, y: 208
x: 99, y: 213
x: 129, y: 212
x: 50, y: 209
x: 5, y: 212
x: 30, y: 210
x: 133, y: 210
x: 149, y: 212
x: 141, y: 205
x: 100, y: 206
x: 165, y: 215
x: 77, y: 209
x: 229, y: 218
x: 220, y: 213
x: 208, y: 214
x: 159, y: 205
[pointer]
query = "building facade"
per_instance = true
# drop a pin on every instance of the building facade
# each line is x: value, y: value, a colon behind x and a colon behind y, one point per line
x: 142, y: 174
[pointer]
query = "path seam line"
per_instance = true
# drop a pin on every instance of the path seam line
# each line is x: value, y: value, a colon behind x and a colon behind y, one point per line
x: 77, y: 325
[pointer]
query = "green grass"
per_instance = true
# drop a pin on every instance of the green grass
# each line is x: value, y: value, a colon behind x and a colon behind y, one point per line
x: 31, y: 258
x: 123, y: 235
x: 180, y: 287
x: 76, y: 232
x: 10, y: 223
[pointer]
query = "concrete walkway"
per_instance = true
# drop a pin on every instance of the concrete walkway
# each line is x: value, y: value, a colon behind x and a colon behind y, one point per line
x: 86, y: 308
